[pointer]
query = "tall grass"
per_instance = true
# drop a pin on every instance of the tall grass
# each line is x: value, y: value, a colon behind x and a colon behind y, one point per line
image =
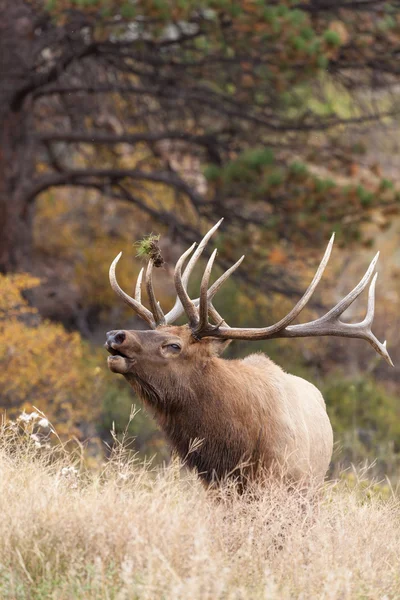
x: 130, y: 532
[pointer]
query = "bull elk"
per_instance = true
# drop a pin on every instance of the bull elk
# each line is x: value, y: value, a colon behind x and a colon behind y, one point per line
x: 250, y: 415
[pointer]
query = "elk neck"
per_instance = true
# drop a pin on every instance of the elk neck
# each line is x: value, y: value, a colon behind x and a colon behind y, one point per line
x: 209, y: 404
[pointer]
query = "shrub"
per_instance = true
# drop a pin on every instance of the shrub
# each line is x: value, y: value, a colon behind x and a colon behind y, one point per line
x: 43, y: 365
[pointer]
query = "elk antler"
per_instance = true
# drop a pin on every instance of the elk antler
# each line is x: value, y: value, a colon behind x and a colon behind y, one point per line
x: 155, y: 306
x: 329, y: 324
x: 183, y: 303
x: 136, y: 304
x: 178, y: 308
x: 200, y: 309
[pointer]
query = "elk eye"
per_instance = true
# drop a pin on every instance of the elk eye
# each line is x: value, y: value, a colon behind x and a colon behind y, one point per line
x: 174, y: 346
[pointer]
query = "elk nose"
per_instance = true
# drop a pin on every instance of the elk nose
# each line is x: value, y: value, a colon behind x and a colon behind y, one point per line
x: 115, y: 337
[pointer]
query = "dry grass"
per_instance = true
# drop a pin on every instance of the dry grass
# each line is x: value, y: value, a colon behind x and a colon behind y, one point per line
x: 130, y: 533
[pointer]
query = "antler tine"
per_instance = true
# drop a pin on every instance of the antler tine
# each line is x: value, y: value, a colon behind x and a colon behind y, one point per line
x: 206, y: 295
x: 138, y: 288
x: 218, y: 283
x: 355, y: 292
x: 211, y: 292
x: 141, y: 310
x: 214, y: 314
x: 203, y: 306
x: 267, y: 332
x: 188, y: 306
x: 154, y: 305
x: 369, y: 317
x: 291, y: 316
x: 198, y: 252
x: 178, y: 309
x: 329, y: 324
x: 367, y: 322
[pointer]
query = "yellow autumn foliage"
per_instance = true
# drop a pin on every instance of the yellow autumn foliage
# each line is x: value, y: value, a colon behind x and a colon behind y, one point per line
x: 43, y: 365
x: 12, y: 303
x: 84, y: 234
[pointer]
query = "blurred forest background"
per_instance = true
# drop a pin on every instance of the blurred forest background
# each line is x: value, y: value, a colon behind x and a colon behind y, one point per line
x: 123, y: 117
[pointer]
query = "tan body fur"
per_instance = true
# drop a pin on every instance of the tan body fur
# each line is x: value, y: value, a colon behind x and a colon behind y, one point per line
x: 249, y: 415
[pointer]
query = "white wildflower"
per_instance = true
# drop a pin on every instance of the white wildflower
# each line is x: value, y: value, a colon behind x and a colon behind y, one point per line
x: 38, y: 445
x: 26, y: 418
x: 69, y: 471
x: 35, y: 437
x: 71, y: 474
x: 43, y: 423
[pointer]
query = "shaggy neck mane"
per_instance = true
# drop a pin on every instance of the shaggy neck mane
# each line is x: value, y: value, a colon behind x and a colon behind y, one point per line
x: 196, y: 409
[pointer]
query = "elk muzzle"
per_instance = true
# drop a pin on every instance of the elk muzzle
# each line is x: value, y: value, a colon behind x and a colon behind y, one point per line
x: 122, y: 345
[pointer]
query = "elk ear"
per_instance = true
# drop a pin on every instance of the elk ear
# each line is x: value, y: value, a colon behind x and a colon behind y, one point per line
x: 217, y: 347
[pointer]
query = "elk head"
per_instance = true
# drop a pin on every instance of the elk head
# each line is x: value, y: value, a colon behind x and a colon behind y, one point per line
x: 168, y: 352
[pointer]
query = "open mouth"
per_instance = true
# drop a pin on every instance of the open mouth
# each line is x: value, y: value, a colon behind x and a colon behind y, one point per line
x: 115, y: 352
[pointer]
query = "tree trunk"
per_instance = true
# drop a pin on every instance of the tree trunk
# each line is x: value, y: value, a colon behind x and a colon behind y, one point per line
x: 16, y: 150
x: 15, y: 211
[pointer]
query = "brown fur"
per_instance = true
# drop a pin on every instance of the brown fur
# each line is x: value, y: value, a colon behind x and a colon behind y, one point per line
x: 250, y: 415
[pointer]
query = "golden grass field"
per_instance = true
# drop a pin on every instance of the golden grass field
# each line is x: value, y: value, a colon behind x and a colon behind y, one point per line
x: 127, y: 531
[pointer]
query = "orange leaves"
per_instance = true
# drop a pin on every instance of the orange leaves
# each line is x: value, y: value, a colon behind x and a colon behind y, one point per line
x: 43, y: 365
x: 277, y: 256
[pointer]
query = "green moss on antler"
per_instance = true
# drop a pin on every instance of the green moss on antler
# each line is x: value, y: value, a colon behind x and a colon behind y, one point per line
x: 148, y: 246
